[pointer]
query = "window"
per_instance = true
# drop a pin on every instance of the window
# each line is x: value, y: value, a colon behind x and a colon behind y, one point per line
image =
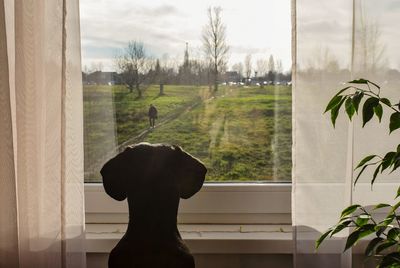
x: 236, y: 118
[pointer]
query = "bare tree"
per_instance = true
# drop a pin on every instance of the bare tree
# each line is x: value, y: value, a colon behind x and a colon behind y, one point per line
x: 279, y: 70
x: 248, y: 66
x: 159, y: 76
x: 271, y: 64
x: 96, y: 67
x: 372, y: 58
x: 323, y: 59
x: 262, y: 67
x: 134, y: 65
x: 271, y: 68
x: 85, y: 69
x: 238, y: 67
x: 214, y: 42
x: 279, y: 66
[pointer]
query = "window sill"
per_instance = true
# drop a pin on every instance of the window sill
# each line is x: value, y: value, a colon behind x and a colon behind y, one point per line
x: 222, y: 239
x: 206, y: 238
x: 216, y: 203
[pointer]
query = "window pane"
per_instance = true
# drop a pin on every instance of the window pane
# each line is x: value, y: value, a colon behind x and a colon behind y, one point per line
x: 227, y: 100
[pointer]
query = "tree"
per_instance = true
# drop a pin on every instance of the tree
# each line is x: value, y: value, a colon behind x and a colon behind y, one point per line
x: 134, y: 65
x: 370, y: 44
x: 271, y: 64
x: 185, y: 70
x: 323, y: 59
x: 96, y: 67
x: 279, y: 70
x: 271, y: 68
x: 214, y: 42
x: 159, y: 76
x: 262, y: 67
x: 238, y: 67
x: 248, y: 65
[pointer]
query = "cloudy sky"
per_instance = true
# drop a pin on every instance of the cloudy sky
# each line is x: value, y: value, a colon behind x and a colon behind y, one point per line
x: 325, y: 27
x: 258, y: 27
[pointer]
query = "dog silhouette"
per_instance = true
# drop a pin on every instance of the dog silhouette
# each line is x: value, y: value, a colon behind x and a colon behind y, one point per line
x: 153, y: 177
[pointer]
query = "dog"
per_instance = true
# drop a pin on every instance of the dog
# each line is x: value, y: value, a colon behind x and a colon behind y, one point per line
x: 153, y: 177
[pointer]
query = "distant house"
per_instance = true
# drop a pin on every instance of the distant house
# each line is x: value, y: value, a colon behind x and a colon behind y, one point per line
x: 101, y: 78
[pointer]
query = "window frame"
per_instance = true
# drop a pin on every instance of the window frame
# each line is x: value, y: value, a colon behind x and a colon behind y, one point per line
x: 215, y: 203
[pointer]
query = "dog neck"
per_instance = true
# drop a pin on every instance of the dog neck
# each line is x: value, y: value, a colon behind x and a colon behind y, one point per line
x: 152, y: 220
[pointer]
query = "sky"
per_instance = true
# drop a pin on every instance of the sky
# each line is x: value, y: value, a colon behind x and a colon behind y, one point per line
x: 260, y: 28
x: 325, y: 27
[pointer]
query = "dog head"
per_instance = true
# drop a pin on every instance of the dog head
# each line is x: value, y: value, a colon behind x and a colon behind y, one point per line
x: 148, y: 169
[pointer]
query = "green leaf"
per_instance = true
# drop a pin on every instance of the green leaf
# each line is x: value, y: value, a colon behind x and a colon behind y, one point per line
x: 395, y: 207
x: 359, y: 174
x: 350, y: 110
x: 352, y: 239
x: 322, y: 238
x: 398, y: 192
x: 376, y: 173
x: 362, y: 220
x: 333, y: 102
x: 368, y: 109
x: 394, y: 121
x: 391, y: 260
x: 388, y: 220
x: 367, y: 230
x: 357, y: 99
x: 398, y: 148
x: 393, y: 234
x: 340, y: 227
x: 378, y: 111
x: 396, y: 164
x: 363, y: 81
x: 381, y: 205
x: 365, y: 160
x: 349, y: 210
x: 359, y: 81
x: 369, y: 251
x: 380, y: 229
x: 386, y: 101
x: 342, y: 90
x: 388, y: 160
x: 385, y: 245
x: 358, y: 234
x: 335, y: 111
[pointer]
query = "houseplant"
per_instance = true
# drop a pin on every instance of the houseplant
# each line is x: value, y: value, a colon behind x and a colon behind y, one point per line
x: 385, y: 245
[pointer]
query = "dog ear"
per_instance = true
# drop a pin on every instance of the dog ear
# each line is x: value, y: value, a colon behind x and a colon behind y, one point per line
x: 114, y: 177
x: 192, y: 174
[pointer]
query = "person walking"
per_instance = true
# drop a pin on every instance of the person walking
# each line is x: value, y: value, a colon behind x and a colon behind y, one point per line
x: 153, y: 115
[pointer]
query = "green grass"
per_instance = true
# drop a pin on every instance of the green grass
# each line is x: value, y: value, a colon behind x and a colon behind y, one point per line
x: 241, y: 134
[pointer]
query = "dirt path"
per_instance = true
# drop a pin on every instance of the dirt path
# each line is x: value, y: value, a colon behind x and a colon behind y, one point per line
x: 177, y: 113
x: 142, y: 135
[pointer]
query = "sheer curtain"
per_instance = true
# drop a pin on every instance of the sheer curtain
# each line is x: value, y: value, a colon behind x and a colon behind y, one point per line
x: 41, y: 148
x: 334, y: 42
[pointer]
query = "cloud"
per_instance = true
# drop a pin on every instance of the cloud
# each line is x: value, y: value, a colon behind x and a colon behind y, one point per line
x: 163, y: 10
x: 248, y: 50
x: 165, y: 26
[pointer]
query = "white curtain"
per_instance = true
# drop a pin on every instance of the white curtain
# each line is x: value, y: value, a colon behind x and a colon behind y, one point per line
x: 334, y: 42
x: 41, y: 136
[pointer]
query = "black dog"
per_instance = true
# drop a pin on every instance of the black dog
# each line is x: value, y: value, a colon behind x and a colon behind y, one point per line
x: 153, y: 178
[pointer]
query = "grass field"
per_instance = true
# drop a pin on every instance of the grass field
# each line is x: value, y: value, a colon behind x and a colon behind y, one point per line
x: 240, y: 133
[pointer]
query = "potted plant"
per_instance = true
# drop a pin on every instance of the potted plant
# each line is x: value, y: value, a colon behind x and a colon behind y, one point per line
x: 385, y: 245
